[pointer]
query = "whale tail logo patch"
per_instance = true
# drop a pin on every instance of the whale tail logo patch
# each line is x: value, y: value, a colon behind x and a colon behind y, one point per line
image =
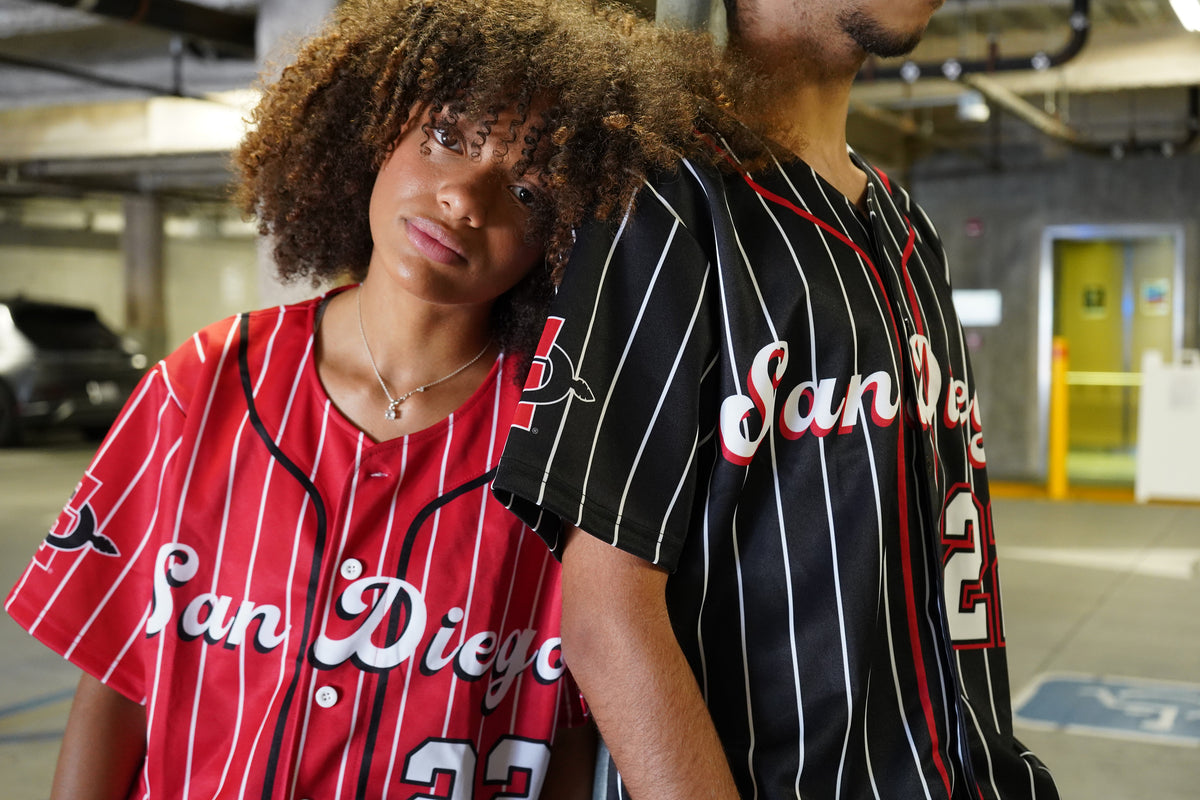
x: 83, y: 534
x: 76, y: 528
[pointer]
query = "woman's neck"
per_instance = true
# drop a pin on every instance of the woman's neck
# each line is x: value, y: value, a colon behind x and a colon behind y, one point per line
x: 374, y: 347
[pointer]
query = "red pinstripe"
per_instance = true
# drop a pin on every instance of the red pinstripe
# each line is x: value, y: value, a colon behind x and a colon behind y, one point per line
x: 905, y: 538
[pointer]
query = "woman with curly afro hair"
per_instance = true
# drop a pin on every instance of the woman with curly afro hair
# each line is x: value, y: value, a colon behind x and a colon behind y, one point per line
x: 292, y: 578
x: 582, y: 101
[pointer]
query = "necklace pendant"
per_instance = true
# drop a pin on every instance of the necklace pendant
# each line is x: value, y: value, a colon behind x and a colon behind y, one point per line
x: 393, y: 410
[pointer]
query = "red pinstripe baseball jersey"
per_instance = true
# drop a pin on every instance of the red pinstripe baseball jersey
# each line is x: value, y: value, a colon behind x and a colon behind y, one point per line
x: 759, y: 387
x: 306, y: 613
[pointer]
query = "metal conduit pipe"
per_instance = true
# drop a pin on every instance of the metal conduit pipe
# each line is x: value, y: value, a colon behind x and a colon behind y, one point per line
x: 1055, y: 128
x: 89, y: 76
x: 1025, y: 111
x: 225, y: 30
x: 911, y: 71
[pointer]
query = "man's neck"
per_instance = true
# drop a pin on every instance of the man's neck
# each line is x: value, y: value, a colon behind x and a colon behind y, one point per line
x: 803, y: 106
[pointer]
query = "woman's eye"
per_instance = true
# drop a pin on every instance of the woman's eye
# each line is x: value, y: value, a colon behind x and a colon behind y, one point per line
x: 525, y: 196
x: 448, y: 138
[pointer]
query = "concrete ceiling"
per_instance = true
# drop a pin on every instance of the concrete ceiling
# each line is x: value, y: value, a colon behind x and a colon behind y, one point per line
x: 1107, y: 77
x: 148, y: 95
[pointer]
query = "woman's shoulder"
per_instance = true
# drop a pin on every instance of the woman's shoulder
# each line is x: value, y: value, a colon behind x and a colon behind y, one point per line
x: 217, y: 345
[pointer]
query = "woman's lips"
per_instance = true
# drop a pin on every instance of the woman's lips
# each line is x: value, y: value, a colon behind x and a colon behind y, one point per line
x: 434, y: 241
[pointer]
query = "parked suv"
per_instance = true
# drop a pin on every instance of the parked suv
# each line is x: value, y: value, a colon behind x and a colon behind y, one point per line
x: 61, y: 366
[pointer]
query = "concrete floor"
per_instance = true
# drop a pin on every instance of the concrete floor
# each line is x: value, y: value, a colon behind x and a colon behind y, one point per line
x: 1092, y: 589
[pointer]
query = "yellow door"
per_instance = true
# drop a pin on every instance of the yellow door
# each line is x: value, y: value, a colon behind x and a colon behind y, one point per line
x: 1113, y: 300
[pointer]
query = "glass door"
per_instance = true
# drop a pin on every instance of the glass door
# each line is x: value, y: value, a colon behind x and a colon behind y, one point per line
x: 1115, y: 295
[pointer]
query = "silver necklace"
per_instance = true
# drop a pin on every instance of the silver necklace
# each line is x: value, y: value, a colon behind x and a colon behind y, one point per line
x: 394, y: 403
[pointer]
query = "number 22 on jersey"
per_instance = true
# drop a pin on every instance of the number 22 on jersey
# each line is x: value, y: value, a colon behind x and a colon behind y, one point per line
x: 969, y: 580
x: 512, y: 761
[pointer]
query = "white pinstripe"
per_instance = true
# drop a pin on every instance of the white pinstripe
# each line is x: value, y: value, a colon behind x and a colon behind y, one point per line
x: 250, y: 566
x: 583, y: 352
x: 828, y: 499
x: 261, y: 518
x: 620, y: 366
x: 338, y: 557
x: 394, y: 750
x: 783, y: 528
x: 183, y: 503
x: 291, y: 577
x: 658, y: 407
x: 141, y: 546
x: 474, y: 570
x: 229, y: 484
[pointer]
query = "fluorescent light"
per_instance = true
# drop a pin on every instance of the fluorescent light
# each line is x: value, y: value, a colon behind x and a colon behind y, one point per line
x: 978, y: 308
x: 973, y: 108
x: 1188, y: 12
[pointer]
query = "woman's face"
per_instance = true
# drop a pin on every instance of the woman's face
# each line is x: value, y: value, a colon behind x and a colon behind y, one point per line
x: 450, y: 225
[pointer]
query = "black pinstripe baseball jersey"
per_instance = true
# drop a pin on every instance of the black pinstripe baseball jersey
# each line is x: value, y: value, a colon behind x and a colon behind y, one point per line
x: 306, y: 613
x: 759, y: 387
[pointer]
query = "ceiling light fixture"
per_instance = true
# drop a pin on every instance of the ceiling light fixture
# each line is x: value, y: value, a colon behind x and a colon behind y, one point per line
x: 1188, y: 12
x: 973, y: 108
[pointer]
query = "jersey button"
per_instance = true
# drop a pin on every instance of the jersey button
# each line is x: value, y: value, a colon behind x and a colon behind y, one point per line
x: 351, y: 568
x: 326, y: 697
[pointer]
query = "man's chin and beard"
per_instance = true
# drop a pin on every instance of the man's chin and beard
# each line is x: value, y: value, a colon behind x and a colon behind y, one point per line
x: 874, y: 39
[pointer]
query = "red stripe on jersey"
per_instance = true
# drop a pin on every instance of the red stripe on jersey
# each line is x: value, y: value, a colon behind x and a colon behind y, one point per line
x: 911, y: 603
x: 883, y: 177
x: 905, y: 538
x: 909, y: 247
x: 820, y: 223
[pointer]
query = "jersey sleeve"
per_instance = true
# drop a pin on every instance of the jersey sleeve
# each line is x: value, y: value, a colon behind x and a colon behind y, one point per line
x: 88, y: 590
x: 573, y: 711
x: 607, y: 433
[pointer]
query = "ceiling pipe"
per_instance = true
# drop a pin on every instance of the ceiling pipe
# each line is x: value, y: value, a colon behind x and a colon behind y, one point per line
x: 94, y: 77
x: 1056, y: 129
x: 1027, y: 112
x: 230, y: 32
x: 953, y: 69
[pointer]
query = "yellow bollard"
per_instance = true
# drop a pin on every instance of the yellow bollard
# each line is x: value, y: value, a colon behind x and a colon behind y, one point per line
x: 1056, y: 468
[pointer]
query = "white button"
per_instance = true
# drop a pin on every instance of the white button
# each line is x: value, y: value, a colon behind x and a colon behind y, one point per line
x: 351, y: 568
x: 326, y: 697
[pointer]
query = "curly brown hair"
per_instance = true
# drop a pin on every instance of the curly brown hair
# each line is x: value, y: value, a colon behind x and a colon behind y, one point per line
x: 618, y: 99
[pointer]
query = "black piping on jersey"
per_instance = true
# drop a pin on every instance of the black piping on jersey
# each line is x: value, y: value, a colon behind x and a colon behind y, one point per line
x: 410, y: 537
x: 318, y: 548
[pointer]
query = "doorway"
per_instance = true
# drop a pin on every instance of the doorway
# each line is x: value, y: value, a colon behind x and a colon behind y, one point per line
x: 1114, y: 293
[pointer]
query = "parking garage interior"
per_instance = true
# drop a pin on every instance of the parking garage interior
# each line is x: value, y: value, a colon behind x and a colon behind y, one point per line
x: 1055, y: 145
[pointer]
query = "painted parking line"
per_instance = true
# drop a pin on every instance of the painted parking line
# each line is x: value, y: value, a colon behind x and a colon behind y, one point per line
x: 33, y: 737
x: 35, y: 702
x: 1160, y: 712
x: 23, y: 737
x: 1157, y: 562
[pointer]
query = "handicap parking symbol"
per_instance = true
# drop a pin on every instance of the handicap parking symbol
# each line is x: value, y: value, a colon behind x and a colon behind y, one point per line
x: 1164, y: 712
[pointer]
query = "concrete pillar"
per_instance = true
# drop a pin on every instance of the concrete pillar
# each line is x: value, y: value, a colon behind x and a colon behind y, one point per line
x: 691, y: 14
x: 699, y: 15
x: 145, y: 297
x: 282, y: 24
